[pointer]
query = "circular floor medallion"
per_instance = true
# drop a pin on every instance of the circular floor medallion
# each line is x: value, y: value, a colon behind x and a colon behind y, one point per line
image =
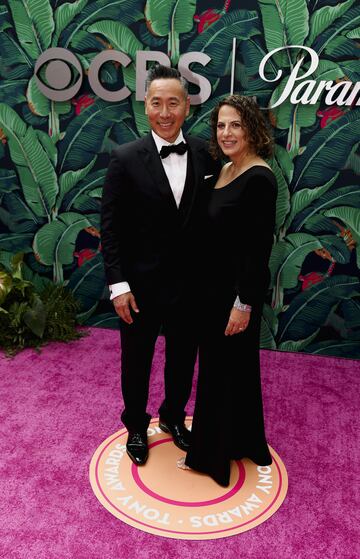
x: 163, y: 500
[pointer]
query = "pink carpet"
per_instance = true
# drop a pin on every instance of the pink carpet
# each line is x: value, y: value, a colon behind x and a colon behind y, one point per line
x: 58, y: 406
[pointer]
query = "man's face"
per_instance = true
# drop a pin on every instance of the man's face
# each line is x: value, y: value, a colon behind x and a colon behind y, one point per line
x: 166, y: 107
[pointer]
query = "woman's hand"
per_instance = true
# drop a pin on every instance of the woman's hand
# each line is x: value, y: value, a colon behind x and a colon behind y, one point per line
x: 238, y: 322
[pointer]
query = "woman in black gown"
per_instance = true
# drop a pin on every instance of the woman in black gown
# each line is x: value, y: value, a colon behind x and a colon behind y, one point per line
x: 228, y: 418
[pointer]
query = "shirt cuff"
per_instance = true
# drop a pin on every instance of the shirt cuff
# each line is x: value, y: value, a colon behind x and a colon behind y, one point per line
x: 241, y: 306
x: 117, y: 289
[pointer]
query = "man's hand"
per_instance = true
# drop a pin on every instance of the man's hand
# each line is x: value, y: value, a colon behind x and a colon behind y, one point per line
x: 123, y: 303
x: 238, y: 322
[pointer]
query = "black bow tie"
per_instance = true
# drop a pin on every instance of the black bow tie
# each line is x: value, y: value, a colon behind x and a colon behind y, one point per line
x: 178, y: 148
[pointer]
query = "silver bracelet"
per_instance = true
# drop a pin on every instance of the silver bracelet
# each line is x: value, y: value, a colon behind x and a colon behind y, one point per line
x: 238, y: 305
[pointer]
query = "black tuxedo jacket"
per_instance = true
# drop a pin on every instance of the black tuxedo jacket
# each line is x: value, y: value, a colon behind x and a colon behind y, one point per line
x: 146, y: 239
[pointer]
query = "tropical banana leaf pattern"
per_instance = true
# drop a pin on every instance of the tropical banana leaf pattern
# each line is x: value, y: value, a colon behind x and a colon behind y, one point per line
x: 54, y: 155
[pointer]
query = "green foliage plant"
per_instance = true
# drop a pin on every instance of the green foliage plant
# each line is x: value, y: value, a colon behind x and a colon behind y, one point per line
x: 29, y: 318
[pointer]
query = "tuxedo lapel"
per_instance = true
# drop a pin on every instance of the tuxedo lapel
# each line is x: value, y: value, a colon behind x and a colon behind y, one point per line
x: 193, y: 151
x: 152, y: 161
x: 191, y: 183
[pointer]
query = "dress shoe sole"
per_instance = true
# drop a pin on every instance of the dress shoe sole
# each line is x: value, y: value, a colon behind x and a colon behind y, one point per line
x: 136, y: 461
x: 166, y: 430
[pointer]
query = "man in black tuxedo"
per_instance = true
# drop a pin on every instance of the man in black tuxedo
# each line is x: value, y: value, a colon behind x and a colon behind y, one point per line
x: 151, y: 218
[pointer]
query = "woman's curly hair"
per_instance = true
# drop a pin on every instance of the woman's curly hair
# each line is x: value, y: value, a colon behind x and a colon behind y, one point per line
x: 256, y: 130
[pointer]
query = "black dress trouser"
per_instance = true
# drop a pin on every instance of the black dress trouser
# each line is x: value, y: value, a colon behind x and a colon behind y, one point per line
x: 137, y: 351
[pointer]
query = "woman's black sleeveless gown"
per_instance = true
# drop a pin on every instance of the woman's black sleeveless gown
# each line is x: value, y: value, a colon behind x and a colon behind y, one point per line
x: 228, y: 418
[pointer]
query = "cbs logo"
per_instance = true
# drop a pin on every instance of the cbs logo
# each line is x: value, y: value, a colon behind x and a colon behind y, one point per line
x: 56, y: 65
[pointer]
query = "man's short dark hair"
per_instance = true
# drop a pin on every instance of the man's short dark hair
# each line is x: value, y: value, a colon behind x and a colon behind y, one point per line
x: 160, y: 72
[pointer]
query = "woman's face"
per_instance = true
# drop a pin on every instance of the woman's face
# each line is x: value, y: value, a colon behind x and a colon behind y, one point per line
x: 230, y: 133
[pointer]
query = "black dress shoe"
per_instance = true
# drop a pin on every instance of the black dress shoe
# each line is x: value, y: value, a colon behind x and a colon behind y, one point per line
x: 180, y: 434
x: 137, y: 448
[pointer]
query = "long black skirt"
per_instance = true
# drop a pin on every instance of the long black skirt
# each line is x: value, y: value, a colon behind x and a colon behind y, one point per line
x: 228, y: 418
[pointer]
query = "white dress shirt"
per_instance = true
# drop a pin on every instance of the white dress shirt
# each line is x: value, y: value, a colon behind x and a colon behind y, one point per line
x: 175, y: 167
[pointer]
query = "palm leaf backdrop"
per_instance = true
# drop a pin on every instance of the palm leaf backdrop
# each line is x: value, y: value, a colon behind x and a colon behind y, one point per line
x: 53, y: 156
